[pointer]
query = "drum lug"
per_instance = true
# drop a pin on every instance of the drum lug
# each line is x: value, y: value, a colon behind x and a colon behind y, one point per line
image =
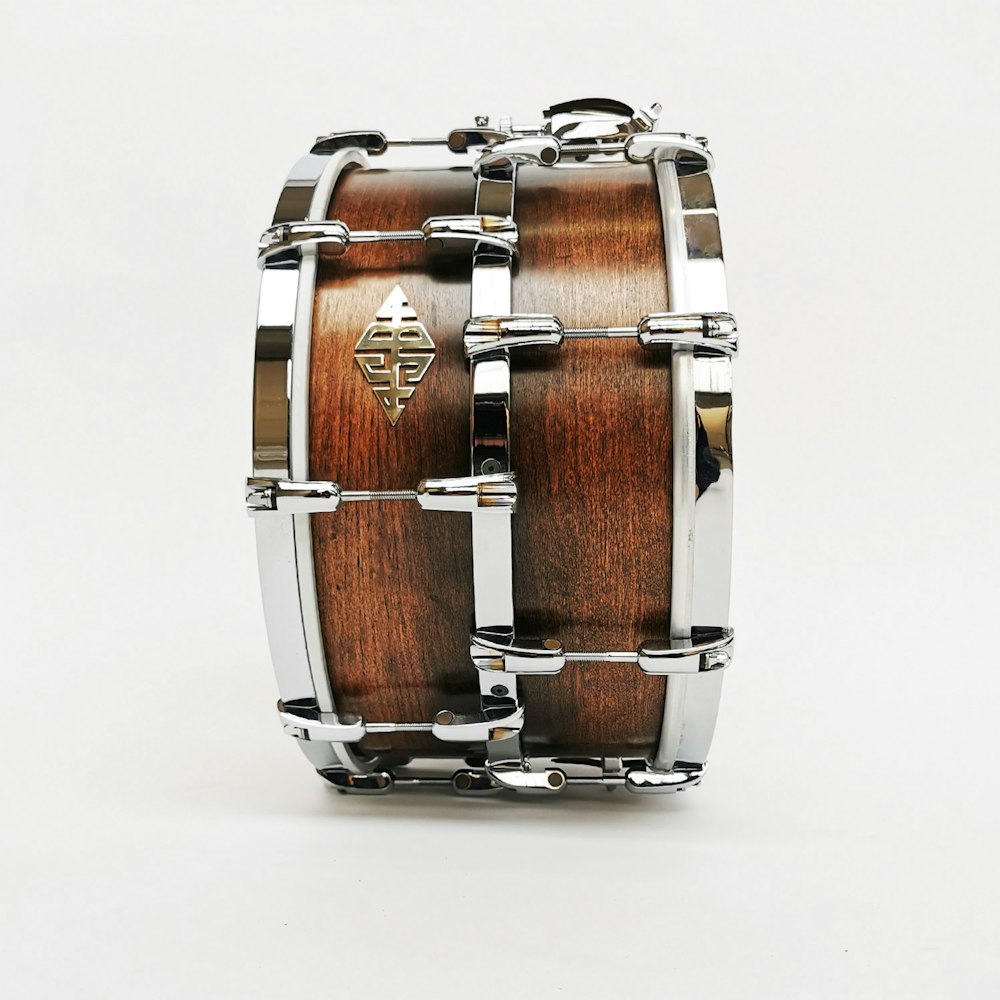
x: 689, y: 153
x: 367, y: 783
x: 474, y: 782
x: 663, y: 782
x: 540, y: 150
x: 520, y: 779
x: 264, y: 495
x: 373, y: 143
x: 706, y: 333
x: 492, y: 724
x: 488, y: 333
x: 451, y: 232
x: 707, y: 649
x: 493, y: 650
x: 495, y: 493
x: 304, y: 722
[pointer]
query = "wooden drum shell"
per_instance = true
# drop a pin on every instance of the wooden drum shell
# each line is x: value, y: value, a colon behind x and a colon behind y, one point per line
x: 590, y: 443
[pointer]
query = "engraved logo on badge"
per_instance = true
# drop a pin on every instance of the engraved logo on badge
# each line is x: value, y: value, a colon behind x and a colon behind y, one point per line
x: 394, y: 353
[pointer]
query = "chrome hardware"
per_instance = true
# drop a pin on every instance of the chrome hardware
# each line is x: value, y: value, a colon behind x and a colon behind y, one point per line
x: 446, y: 232
x: 394, y: 353
x: 332, y: 235
x: 493, y: 779
x: 281, y: 451
x: 489, y: 375
x: 462, y: 139
x: 290, y: 497
x: 467, y: 494
x: 707, y: 333
x: 490, y: 724
x: 660, y: 782
x: 487, y: 333
x: 373, y: 143
x: 491, y: 650
x: 689, y: 153
x: 550, y: 780
x: 707, y: 649
x: 470, y: 782
x: 598, y: 118
x: 443, y: 232
x: 286, y: 497
x: 542, y: 150
x: 701, y: 385
x: 319, y: 726
x: 368, y: 783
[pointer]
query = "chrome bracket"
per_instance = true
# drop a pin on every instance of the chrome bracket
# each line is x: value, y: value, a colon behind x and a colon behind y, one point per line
x: 372, y: 142
x: 495, y: 649
x: 264, y: 495
x: 663, y: 782
x: 499, y: 723
x: 689, y: 153
x: 706, y: 333
x: 483, y: 334
x: 324, y: 727
x: 706, y: 649
x: 523, y: 779
x: 368, y: 783
x: 465, y: 494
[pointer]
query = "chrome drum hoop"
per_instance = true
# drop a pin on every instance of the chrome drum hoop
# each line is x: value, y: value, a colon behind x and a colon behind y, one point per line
x: 281, y: 450
x: 702, y: 528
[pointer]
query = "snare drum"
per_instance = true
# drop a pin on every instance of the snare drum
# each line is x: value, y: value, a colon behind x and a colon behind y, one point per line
x: 492, y: 462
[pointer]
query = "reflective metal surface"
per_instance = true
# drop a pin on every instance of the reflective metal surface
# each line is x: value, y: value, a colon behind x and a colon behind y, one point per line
x: 394, y: 353
x: 496, y: 494
x: 279, y: 243
x: 702, y: 391
x: 280, y: 451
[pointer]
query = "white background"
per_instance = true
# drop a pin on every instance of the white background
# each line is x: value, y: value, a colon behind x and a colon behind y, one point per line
x: 161, y: 838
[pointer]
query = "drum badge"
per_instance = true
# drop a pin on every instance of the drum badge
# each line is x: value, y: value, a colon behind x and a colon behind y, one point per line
x: 394, y: 353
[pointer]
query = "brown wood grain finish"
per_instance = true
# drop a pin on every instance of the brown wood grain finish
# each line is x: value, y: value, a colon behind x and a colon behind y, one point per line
x: 394, y: 582
x: 590, y: 439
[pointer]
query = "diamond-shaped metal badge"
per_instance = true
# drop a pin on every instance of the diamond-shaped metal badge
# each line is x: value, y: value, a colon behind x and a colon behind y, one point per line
x: 394, y: 353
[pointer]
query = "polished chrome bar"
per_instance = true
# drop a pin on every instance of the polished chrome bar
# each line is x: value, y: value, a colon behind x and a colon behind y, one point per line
x: 684, y: 457
x: 280, y: 451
